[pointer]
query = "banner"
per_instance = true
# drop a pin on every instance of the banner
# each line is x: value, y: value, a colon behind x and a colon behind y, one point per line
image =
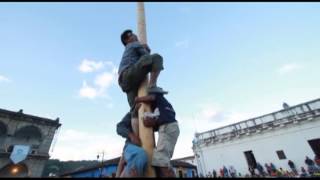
x: 19, y: 153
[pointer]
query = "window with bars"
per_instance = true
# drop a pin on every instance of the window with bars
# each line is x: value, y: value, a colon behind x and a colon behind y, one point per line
x: 281, y: 154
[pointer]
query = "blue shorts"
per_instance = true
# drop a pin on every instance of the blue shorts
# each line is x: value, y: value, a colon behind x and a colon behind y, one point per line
x: 136, y: 158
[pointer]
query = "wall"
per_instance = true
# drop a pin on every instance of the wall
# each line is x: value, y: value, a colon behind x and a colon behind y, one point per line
x: 292, y: 139
x: 41, y: 144
x: 107, y: 171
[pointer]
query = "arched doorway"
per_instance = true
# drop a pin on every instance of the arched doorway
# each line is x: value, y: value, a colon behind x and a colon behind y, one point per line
x: 30, y: 135
x: 14, y: 170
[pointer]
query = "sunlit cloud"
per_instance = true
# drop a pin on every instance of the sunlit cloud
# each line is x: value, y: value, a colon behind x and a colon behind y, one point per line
x: 81, y: 145
x: 4, y: 79
x: 102, y: 82
x: 87, y: 91
x: 90, y: 66
x: 288, y: 68
x: 210, y: 116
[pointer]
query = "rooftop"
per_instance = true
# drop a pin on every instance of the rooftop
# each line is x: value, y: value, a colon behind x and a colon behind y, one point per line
x: 27, y: 117
x: 115, y: 161
x: 289, y: 115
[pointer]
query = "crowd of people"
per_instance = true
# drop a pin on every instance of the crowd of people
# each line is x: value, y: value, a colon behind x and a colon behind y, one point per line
x: 312, y: 169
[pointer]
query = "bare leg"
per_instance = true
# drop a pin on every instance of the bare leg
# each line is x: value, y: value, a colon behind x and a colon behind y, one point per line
x: 120, y: 167
x: 153, y: 78
x: 123, y: 174
x: 132, y: 173
x: 135, y: 120
x: 135, y: 125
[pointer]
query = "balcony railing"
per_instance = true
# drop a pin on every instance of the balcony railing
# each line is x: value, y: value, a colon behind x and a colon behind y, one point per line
x: 294, y: 114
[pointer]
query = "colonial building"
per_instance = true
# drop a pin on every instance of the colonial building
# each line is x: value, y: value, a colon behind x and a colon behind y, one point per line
x: 36, y: 133
x: 109, y: 168
x: 187, y: 159
x: 288, y: 134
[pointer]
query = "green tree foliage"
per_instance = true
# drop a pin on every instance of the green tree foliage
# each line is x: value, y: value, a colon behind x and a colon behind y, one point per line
x: 58, y: 167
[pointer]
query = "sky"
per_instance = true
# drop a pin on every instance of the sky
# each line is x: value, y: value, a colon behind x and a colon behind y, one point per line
x: 224, y: 63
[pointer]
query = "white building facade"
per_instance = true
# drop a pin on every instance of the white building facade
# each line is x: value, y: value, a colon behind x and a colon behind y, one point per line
x: 288, y: 134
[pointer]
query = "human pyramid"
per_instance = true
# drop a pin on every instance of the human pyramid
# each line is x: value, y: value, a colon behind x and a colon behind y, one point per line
x: 137, y: 62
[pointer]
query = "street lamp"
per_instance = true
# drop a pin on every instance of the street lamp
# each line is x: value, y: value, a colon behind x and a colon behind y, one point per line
x: 14, y: 170
x: 101, y: 168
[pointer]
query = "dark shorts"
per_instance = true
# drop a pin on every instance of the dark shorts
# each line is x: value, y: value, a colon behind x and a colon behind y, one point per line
x: 133, y: 76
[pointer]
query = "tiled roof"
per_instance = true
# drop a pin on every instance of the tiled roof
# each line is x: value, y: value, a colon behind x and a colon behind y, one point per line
x: 99, y: 165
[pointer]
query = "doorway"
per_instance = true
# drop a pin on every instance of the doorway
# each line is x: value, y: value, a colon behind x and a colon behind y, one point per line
x: 315, y: 146
x: 251, y: 160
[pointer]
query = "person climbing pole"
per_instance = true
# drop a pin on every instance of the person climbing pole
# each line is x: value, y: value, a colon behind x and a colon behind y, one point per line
x: 135, y: 64
x: 162, y: 119
x: 134, y: 159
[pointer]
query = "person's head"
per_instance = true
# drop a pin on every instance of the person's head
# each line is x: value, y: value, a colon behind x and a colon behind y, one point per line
x: 128, y: 36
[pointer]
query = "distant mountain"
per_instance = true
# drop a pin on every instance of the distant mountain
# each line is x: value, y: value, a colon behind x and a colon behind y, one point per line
x: 57, y: 167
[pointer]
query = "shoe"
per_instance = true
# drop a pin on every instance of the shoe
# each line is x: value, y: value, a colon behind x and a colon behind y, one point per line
x: 156, y: 89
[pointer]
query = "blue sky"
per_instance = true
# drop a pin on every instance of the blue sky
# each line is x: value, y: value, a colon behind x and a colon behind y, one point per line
x: 224, y: 62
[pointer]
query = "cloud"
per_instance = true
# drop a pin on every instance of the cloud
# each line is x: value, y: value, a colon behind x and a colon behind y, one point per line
x: 182, y: 44
x: 90, y: 66
x: 88, y: 91
x: 210, y: 116
x: 102, y: 82
x: 4, y: 79
x: 81, y: 145
x: 288, y: 68
x: 211, y: 112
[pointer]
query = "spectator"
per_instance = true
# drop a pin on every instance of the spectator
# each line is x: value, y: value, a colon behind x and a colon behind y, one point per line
x: 303, y: 172
x: 308, y: 161
x: 273, y: 173
x: 317, y: 160
x: 251, y: 170
x: 214, y: 173
x: 311, y: 165
x: 260, y: 169
x: 232, y: 171
x: 282, y: 172
x: 225, y: 171
x: 221, y: 172
x: 292, y: 167
x: 273, y: 167
x: 268, y: 169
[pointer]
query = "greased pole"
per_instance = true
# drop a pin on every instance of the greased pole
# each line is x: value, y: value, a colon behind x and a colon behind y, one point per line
x: 146, y: 134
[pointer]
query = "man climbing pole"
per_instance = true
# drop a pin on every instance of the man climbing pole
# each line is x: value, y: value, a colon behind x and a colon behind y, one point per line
x: 162, y: 119
x: 133, y: 161
x: 136, y: 63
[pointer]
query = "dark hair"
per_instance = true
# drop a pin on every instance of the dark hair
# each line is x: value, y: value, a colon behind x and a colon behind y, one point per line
x: 124, y: 36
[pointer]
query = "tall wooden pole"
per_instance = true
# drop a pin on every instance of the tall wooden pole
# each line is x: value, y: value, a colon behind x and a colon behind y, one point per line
x: 146, y: 134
